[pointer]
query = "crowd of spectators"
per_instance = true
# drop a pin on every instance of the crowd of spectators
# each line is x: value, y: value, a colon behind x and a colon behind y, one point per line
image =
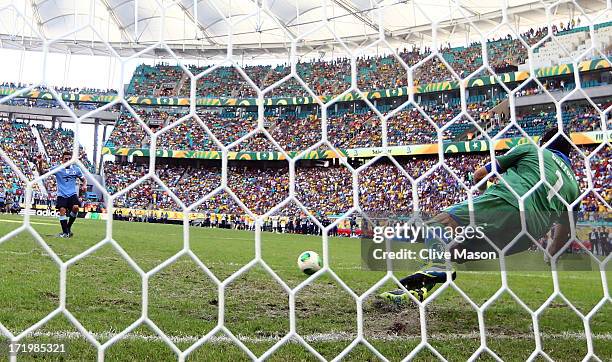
x: 52, y: 103
x: 324, y: 191
x: 129, y: 133
x: 295, y: 132
x: 326, y: 78
x: 188, y: 135
x: 58, y: 140
x: 358, y: 128
x: 191, y: 184
x: 327, y: 191
x: 576, y: 117
x: 228, y: 128
x: 592, y: 208
x: 385, y: 189
x: 19, y: 143
x: 118, y: 177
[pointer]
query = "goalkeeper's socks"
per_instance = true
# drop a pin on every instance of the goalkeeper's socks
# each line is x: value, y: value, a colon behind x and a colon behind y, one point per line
x: 436, y: 241
x: 64, y: 222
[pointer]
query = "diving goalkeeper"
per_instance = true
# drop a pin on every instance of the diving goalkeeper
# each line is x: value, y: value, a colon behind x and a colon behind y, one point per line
x: 496, y: 211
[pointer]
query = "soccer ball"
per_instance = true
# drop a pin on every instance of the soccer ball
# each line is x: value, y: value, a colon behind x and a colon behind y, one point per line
x: 309, y: 262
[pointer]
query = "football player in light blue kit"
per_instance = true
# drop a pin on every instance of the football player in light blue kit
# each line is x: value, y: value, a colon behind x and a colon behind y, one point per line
x: 67, y: 191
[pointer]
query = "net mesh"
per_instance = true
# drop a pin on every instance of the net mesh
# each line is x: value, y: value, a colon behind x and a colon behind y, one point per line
x: 356, y: 208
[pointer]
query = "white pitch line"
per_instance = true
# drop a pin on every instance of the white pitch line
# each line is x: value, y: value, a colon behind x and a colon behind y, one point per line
x: 318, y: 337
x: 31, y: 222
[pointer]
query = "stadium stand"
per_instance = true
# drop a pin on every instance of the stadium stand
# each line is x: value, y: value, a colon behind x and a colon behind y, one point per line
x: 346, y: 129
x: 58, y: 140
x: 359, y: 127
x: 17, y: 141
x: 330, y: 78
x: 383, y: 188
x: 374, y: 73
x: 333, y: 184
x: 384, y: 72
x: 350, y: 125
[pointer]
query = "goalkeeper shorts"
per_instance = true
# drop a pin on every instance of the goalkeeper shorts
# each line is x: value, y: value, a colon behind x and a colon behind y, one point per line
x: 498, y: 220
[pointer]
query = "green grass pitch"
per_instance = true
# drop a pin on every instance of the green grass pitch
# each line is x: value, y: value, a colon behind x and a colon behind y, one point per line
x: 104, y: 293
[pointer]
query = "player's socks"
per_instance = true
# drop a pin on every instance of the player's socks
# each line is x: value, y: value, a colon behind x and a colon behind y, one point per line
x: 71, y: 220
x: 64, y: 222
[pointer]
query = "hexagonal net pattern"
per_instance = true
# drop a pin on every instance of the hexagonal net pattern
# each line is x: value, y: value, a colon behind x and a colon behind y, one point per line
x: 328, y: 268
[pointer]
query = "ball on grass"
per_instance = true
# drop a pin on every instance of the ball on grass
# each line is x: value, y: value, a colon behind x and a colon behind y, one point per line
x: 309, y: 262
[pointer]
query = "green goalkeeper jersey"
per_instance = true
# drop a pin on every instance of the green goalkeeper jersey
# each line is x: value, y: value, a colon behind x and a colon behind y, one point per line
x: 522, y: 172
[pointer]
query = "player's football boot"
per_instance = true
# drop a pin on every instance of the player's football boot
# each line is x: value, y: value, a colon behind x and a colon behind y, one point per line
x: 399, y: 296
x: 430, y: 274
x: 70, y: 234
x: 61, y: 236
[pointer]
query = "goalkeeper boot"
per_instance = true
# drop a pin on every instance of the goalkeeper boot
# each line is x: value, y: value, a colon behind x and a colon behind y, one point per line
x: 399, y: 296
x: 428, y: 275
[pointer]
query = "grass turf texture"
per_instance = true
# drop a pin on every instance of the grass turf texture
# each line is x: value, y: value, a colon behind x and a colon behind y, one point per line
x: 104, y: 293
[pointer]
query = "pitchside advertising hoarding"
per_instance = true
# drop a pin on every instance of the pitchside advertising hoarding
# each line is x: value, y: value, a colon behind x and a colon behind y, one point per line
x: 46, y: 211
x: 344, y: 225
x: 40, y: 212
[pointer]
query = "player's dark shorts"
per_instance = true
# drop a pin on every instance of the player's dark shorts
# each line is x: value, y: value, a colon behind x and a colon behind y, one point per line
x: 500, y: 222
x: 67, y: 202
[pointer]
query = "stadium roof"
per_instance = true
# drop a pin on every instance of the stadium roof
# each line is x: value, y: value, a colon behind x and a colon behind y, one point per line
x: 262, y: 27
